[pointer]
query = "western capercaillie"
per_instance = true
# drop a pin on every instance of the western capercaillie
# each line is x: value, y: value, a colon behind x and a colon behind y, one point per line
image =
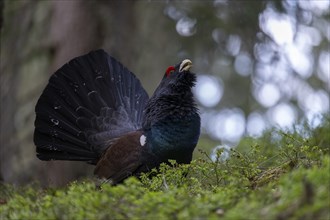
x: 95, y: 110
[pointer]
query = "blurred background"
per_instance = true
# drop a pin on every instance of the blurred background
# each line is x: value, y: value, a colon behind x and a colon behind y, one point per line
x: 260, y: 64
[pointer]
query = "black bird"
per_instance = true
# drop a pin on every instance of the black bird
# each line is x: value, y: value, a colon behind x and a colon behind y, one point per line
x: 95, y: 110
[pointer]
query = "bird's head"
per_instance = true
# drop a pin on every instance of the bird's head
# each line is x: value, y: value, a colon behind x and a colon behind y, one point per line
x: 182, y: 67
x: 177, y: 79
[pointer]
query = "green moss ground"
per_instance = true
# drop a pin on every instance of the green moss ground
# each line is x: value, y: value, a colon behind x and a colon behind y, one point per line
x: 281, y: 175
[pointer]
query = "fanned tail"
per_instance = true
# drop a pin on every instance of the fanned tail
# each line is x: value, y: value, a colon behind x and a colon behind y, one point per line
x: 87, y: 104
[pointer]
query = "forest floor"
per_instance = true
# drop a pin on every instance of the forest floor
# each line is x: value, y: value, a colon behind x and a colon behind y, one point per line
x: 281, y: 175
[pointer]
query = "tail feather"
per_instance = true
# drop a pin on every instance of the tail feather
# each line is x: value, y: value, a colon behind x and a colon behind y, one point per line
x: 61, y: 150
x: 58, y: 124
x: 88, y: 103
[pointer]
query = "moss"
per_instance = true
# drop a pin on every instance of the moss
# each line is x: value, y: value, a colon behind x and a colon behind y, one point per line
x: 262, y: 179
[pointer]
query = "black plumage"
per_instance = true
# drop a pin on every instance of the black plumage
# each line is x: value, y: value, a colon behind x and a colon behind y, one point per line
x: 94, y: 109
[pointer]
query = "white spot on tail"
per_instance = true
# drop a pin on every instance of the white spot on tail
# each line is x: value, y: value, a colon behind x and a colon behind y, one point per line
x: 143, y: 140
x: 55, y: 121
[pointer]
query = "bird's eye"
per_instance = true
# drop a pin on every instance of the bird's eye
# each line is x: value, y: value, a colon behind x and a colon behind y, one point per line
x: 169, y: 71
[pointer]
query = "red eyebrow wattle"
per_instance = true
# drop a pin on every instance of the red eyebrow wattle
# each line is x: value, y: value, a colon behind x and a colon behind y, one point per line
x: 169, y: 69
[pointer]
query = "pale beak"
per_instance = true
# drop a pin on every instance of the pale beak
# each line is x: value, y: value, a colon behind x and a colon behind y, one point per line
x: 185, y: 65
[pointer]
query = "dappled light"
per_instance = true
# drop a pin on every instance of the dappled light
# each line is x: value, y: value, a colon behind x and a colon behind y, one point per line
x: 243, y: 64
x: 282, y: 65
x: 284, y: 115
x: 268, y: 94
x: 278, y: 26
x: 224, y: 154
x: 208, y: 90
x: 324, y: 67
x: 186, y: 26
x: 256, y: 124
x: 228, y: 125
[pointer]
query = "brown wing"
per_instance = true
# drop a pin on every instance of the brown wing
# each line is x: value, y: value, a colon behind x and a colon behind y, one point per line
x: 121, y: 159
